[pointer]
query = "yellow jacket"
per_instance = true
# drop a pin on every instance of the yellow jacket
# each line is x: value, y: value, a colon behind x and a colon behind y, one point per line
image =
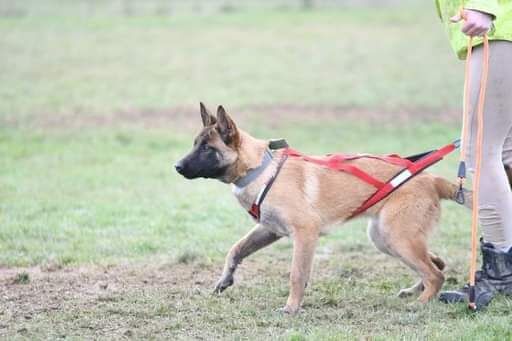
x: 500, y: 9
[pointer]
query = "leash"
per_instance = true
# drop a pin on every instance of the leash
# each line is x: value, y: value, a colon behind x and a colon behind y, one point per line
x: 478, y: 157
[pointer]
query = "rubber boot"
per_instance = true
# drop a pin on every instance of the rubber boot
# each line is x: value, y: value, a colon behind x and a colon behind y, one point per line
x: 495, y: 277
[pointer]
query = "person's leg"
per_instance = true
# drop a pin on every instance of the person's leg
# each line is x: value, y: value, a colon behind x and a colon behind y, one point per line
x: 507, y: 156
x: 495, y: 201
x: 495, y: 204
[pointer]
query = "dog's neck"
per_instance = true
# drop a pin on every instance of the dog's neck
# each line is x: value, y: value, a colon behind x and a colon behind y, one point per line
x: 252, y: 160
x: 251, y: 150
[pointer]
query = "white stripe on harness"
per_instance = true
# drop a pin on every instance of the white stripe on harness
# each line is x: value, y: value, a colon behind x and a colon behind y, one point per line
x: 401, y: 178
x: 258, y: 198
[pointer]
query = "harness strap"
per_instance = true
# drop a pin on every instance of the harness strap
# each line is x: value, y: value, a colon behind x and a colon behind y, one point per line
x: 337, y: 162
x: 405, y: 175
x: 394, y: 159
x: 255, y: 210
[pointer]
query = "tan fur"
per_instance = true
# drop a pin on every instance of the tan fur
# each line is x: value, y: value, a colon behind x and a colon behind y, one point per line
x: 307, y: 198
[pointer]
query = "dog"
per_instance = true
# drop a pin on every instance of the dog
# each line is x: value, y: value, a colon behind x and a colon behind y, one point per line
x: 307, y: 198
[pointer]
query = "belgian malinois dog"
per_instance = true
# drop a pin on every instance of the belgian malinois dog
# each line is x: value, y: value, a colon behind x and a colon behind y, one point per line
x: 306, y: 198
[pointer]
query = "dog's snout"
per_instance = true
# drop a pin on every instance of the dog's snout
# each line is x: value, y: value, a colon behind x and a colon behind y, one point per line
x: 179, y: 167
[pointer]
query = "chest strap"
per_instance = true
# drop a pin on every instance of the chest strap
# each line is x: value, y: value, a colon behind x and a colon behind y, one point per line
x: 254, y: 211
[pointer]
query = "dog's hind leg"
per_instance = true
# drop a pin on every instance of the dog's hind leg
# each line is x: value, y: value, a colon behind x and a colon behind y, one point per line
x: 375, y: 236
x: 437, y: 261
x: 413, y: 253
x: 405, y: 224
x: 379, y: 240
x: 418, y: 287
x: 257, y: 238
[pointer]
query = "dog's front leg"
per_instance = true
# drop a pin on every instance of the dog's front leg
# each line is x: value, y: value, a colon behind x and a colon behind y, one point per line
x: 304, y: 244
x: 257, y: 238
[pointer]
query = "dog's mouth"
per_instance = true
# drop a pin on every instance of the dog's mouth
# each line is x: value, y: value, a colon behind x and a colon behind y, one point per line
x: 215, y: 173
x: 190, y: 176
x: 182, y: 170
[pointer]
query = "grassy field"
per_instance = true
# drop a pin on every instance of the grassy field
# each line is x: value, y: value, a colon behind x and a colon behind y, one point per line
x: 352, y: 58
x: 99, y: 237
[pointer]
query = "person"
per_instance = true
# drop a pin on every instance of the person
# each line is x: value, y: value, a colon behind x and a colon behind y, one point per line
x: 493, y: 17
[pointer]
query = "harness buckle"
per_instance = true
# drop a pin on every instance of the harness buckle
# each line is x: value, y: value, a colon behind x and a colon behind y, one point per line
x: 255, y: 211
x: 277, y: 144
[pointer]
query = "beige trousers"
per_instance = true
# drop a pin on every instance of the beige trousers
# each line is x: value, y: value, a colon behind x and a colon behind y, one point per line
x: 495, y: 203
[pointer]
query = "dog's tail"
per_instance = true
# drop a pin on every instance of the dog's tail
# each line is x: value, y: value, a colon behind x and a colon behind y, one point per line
x: 449, y: 190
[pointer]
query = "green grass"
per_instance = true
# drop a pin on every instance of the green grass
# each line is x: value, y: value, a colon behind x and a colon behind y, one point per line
x: 113, y: 194
x: 382, y: 58
x: 83, y: 186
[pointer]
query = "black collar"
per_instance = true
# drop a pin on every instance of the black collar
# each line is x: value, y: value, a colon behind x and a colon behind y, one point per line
x: 253, y: 174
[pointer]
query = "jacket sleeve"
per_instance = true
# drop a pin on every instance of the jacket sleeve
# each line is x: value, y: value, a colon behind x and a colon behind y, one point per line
x: 488, y: 6
x: 438, y: 9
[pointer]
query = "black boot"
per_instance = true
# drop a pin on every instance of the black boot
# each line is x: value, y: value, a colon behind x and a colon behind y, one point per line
x: 495, y: 277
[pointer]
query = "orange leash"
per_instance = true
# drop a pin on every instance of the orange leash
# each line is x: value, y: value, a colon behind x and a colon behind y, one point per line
x: 478, y: 156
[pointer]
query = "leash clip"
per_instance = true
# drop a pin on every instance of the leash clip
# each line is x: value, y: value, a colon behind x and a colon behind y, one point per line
x: 459, y: 196
x: 461, y: 174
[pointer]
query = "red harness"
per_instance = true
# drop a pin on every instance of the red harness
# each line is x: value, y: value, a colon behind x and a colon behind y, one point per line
x: 412, y: 166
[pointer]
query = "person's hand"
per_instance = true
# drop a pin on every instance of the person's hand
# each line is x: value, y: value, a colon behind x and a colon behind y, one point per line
x: 476, y: 23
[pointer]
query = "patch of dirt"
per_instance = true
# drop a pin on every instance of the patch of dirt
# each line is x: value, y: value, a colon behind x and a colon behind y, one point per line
x: 350, y: 286
x: 188, y: 117
x: 148, y: 300
x: 58, y: 295
x: 45, y: 289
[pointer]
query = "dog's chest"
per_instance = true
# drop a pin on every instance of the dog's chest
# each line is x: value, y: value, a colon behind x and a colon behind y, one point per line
x: 244, y: 196
x: 270, y: 217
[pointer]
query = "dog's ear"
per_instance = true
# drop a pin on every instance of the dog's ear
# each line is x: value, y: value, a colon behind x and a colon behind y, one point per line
x: 227, y: 128
x: 208, y: 119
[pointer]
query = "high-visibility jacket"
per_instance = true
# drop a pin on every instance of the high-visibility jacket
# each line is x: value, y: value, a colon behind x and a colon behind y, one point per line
x: 501, y: 10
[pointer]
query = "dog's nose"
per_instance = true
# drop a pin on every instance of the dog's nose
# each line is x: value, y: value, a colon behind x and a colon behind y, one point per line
x: 179, y: 167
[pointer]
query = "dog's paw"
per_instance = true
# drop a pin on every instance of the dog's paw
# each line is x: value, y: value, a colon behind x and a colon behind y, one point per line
x: 403, y: 293
x: 416, y: 289
x: 223, y: 284
x: 288, y: 310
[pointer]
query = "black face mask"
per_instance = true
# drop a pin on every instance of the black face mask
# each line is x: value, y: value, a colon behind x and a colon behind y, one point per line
x: 202, y: 162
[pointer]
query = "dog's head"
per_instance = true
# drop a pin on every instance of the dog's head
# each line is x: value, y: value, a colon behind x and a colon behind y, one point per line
x: 215, y: 150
